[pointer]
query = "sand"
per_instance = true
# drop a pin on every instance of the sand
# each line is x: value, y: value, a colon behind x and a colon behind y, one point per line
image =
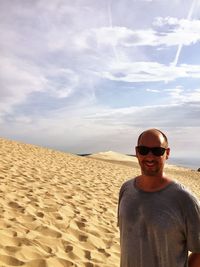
x: 59, y: 209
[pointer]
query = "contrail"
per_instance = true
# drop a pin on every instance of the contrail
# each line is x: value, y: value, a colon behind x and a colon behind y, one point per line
x: 174, y: 63
x: 110, y: 14
x: 111, y: 26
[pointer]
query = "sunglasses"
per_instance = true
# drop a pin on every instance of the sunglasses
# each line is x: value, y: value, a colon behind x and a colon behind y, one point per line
x: 156, y: 151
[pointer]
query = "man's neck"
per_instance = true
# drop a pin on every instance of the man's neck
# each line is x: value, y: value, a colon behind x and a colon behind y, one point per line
x: 152, y: 183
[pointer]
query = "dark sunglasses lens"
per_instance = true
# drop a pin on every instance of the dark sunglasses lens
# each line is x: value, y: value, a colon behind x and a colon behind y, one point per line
x: 143, y: 150
x: 158, y: 151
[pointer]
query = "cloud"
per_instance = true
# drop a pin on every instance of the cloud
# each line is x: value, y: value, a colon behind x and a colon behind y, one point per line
x: 102, y: 128
x: 181, y: 31
x: 64, y: 47
x: 116, y: 36
x: 178, y: 115
x: 21, y: 79
x: 178, y: 31
x: 152, y: 90
x: 179, y: 95
x: 62, y: 82
x: 18, y: 79
x: 148, y: 72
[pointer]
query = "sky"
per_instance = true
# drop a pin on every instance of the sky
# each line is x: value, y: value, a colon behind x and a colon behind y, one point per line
x: 86, y: 76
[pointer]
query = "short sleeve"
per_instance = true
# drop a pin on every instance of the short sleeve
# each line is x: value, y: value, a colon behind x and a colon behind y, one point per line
x: 121, y: 192
x: 119, y: 199
x: 193, y: 225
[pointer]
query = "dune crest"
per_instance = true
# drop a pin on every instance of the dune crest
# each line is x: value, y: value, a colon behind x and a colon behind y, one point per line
x: 115, y: 157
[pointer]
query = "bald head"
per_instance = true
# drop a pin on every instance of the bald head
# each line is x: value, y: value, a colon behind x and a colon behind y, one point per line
x: 153, y: 133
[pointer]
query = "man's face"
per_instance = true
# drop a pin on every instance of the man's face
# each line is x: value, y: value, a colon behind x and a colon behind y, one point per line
x: 152, y: 165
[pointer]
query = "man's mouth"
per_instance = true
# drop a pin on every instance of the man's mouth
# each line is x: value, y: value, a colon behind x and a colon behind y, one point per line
x: 149, y: 163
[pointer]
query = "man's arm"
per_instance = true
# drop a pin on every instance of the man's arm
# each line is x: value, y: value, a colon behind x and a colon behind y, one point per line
x: 194, y: 260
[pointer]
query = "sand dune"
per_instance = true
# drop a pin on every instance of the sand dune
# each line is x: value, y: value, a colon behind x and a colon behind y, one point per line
x: 111, y: 155
x: 115, y: 157
x: 59, y: 209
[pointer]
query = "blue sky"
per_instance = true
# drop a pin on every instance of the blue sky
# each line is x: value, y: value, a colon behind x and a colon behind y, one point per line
x: 86, y: 76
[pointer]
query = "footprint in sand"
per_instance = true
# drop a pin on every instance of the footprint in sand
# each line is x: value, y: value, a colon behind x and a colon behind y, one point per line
x: 44, y: 230
x: 81, y: 225
x: 10, y: 261
x: 83, y: 238
x: 88, y: 254
x: 68, y: 248
x: 26, y: 219
x: 37, y: 262
x: 59, y: 262
x: 89, y: 264
x: 15, y: 205
x: 102, y: 250
x: 57, y: 216
x: 40, y: 214
x: 12, y: 249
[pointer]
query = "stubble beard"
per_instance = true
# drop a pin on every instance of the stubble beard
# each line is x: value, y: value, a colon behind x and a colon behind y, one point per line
x: 148, y: 171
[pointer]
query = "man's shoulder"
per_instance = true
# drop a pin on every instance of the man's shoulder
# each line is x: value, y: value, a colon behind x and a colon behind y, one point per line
x: 127, y: 183
x: 126, y: 186
x: 184, y: 193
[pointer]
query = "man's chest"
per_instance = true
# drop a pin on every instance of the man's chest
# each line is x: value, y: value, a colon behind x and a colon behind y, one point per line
x: 150, y: 213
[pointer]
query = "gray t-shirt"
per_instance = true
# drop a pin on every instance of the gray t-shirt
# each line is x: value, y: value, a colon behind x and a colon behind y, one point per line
x: 157, y: 229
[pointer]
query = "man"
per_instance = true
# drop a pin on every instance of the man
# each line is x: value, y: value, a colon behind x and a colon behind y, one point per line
x: 159, y: 219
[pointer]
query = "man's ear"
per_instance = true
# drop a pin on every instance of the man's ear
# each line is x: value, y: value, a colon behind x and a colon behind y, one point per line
x: 167, y: 153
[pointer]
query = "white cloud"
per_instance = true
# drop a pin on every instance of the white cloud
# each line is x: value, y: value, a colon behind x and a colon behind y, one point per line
x: 175, y: 92
x: 93, y: 128
x: 179, y: 95
x: 61, y: 82
x: 152, y: 90
x: 77, y: 49
x: 116, y: 36
x: 18, y: 79
x: 160, y: 21
x: 182, y: 31
x: 148, y: 72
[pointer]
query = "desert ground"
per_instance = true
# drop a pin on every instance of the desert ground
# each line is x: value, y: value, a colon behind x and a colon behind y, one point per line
x: 59, y: 209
